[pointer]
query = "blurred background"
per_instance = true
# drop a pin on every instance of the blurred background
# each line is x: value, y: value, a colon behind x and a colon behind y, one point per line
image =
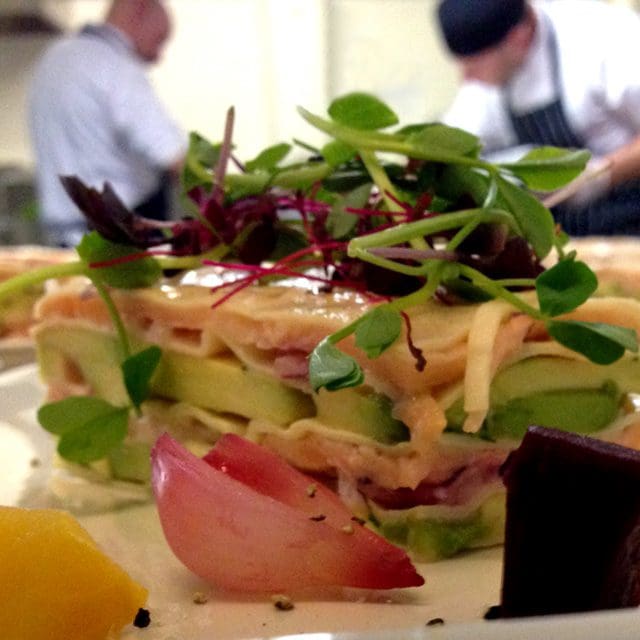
x: 264, y: 57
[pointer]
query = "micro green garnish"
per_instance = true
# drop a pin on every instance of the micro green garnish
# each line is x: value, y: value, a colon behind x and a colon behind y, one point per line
x: 543, y: 169
x: 399, y: 214
x: 601, y: 343
x: 116, y: 265
x: 402, y: 249
x: 332, y: 369
x: 89, y: 428
x: 378, y: 330
x: 565, y: 287
x: 560, y: 290
x: 137, y: 371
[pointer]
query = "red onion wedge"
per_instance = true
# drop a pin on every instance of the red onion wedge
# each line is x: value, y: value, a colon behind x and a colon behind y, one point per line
x: 244, y: 520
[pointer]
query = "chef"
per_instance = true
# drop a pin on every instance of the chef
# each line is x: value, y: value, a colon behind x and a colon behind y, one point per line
x: 563, y: 73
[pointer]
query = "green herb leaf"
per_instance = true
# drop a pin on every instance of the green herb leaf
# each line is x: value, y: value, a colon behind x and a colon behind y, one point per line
x: 378, y: 330
x: 564, y: 287
x: 362, y: 111
x: 549, y: 168
x: 240, y: 185
x: 332, y: 369
x: 346, y: 179
x: 71, y: 413
x: 441, y: 139
x: 201, y: 157
x: 89, y: 427
x: 341, y: 223
x: 124, y: 274
x: 288, y: 241
x: 137, y: 371
x: 457, y: 181
x: 269, y: 158
x: 336, y: 153
x: 601, y: 343
x: 95, y: 438
x: 301, y: 177
x: 534, y: 219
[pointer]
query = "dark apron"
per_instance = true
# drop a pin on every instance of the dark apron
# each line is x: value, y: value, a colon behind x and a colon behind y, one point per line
x: 618, y: 212
x: 158, y: 204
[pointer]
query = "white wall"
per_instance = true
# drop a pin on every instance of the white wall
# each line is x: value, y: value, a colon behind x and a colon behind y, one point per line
x: 264, y: 57
x: 391, y: 48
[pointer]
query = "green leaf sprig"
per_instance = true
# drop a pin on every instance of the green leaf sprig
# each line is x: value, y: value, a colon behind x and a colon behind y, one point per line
x: 355, y: 124
x: 89, y: 428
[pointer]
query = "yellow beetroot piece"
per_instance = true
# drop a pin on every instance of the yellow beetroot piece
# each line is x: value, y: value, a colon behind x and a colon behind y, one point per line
x: 56, y: 584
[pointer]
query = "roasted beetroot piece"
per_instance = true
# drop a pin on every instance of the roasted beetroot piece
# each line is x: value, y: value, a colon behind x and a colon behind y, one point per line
x: 572, y: 540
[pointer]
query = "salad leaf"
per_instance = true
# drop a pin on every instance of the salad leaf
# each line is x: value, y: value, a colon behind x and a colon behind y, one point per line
x: 336, y: 153
x: 362, y: 111
x: 378, y: 330
x: 71, y: 413
x: 301, y: 177
x: 332, y: 369
x: 115, y: 270
x: 446, y: 139
x: 137, y: 371
x: 95, y: 438
x: 201, y: 157
x: 548, y: 168
x: 269, y: 158
x: 341, y: 223
x: 88, y: 427
x: 534, y: 219
x: 565, y: 286
x: 601, y: 343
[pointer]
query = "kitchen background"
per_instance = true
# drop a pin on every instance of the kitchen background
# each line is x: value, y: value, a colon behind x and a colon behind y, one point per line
x: 264, y: 57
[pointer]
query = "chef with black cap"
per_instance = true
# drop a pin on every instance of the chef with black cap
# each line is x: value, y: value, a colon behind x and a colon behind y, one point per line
x: 563, y: 73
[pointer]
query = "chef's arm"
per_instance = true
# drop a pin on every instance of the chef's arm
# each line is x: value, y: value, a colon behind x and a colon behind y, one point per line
x: 602, y: 174
x: 625, y: 163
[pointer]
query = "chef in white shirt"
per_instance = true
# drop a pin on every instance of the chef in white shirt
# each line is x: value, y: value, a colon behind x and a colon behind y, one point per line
x: 563, y: 73
x: 94, y: 113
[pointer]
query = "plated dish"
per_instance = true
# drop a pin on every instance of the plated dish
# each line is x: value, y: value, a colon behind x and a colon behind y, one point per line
x: 455, y: 238
x: 459, y: 590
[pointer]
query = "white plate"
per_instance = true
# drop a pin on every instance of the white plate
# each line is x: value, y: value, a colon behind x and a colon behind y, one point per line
x: 16, y: 351
x: 459, y: 591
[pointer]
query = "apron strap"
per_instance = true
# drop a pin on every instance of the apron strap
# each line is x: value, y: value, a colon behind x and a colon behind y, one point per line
x: 619, y: 211
x: 547, y: 125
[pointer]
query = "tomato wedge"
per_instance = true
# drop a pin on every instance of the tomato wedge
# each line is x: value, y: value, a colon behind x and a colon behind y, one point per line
x: 245, y: 520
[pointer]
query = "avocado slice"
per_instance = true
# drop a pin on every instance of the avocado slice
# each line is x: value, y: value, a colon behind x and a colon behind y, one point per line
x: 361, y: 411
x: 221, y: 384
x: 576, y: 410
x: 430, y: 538
x: 131, y: 461
x: 224, y: 385
x: 571, y: 395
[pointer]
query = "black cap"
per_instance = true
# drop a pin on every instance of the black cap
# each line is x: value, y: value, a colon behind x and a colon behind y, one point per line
x: 469, y: 26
